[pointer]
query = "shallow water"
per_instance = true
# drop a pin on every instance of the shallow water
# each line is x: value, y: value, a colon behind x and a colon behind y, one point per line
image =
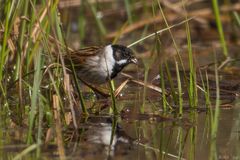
x: 142, y: 136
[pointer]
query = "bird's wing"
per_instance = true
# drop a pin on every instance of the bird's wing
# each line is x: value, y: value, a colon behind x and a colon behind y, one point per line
x: 80, y: 56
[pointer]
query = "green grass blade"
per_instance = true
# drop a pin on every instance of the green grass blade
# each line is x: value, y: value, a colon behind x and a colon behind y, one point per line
x: 219, y: 26
x: 26, y: 151
x: 35, y: 92
x: 128, y: 9
x: 180, y: 99
x: 99, y: 22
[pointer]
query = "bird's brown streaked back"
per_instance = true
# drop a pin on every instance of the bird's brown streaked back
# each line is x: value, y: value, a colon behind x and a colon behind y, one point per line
x: 80, y: 56
x: 88, y: 51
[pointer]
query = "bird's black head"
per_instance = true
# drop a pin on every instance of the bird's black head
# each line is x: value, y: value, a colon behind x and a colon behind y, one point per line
x: 123, y: 56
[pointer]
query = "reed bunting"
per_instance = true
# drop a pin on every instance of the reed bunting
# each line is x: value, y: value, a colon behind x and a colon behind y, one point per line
x: 97, y: 65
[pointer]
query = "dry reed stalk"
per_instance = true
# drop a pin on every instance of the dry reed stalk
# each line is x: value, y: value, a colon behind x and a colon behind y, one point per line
x: 150, y: 86
x: 120, y: 88
x: 68, y: 88
x: 58, y: 127
x: 49, y: 135
x: 199, y: 14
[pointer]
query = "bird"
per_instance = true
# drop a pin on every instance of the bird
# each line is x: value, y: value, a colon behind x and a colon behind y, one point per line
x: 99, y: 64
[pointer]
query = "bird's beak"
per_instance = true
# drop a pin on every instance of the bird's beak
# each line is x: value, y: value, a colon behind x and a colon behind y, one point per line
x: 134, y: 60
